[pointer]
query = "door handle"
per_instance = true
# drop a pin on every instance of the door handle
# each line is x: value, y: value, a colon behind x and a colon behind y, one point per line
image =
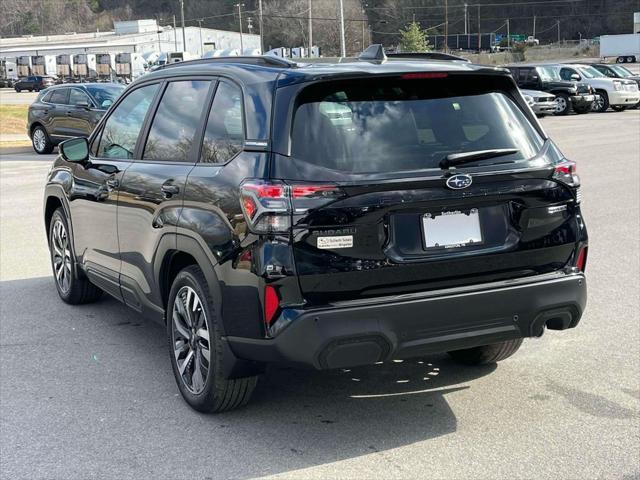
x: 168, y: 190
x: 113, y: 183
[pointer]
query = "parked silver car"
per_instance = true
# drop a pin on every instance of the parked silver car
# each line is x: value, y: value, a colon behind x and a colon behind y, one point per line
x: 542, y: 103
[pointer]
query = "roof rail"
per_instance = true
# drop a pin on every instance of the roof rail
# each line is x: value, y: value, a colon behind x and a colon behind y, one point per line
x: 426, y: 56
x: 264, y: 60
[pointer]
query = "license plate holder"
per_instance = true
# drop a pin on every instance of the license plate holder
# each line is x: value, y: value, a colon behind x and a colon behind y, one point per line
x: 451, y: 229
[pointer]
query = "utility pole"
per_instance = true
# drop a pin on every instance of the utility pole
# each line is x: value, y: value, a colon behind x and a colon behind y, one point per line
x: 343, y: 47
x: 310, y: 32
x: 558, y: 32
x: 534, y: 26
x: 466, y: 32
x: 184, y: 36
x: 240, y: 5
x: 200, y: 27
x: 479, y: 37
x: 175, y: 35
x: 260, y: 22
x: 508, y: 37
x: 446, y: 26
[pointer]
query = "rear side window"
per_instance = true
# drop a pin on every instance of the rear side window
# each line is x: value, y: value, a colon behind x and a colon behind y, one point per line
x: 397, y: 125
x: 123, y: 126
x: 77, y: 96
x: 225, y: 126
x: 175, y: 123
x: 60, y: 96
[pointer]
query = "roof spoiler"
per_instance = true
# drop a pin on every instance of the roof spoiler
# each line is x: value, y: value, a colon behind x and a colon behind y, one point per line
x: 373, y: 53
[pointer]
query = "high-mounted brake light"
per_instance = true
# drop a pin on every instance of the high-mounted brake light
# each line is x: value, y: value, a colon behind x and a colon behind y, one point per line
x: 271, y: 304
x: 421, y: 75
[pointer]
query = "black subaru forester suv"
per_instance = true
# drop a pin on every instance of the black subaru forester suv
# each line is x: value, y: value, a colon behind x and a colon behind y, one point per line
x: 320, y: 215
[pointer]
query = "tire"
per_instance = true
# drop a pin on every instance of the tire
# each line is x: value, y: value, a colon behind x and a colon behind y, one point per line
x: 631, y: 59
x: 618, y: 108
x: 601, y: 103
x: 40, y: 141
x: 18, y: 90
x: 193, y: 337
x: 620, y: 60
x: 487, y: 354
x: 73, y: 287
x: 563, y: 105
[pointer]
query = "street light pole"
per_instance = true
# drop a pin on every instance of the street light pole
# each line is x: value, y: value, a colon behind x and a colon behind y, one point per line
x: 343, y: 48
x: 310, y: 32
x: 558, y: 32
x: 200, y: 27
x: 260, y: 22
x: 240, y: 5
x: 175, y: 35
x: 534, y: 26
x: 446, y: 26
x: 465, y: 19
x: 184, y: 36
x: 479, y: 39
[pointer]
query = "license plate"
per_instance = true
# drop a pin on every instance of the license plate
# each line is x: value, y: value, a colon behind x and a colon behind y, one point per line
x: 452, y: 229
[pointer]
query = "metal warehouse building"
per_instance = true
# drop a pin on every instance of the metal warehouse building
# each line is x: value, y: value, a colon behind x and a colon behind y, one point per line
x: 137, y: 36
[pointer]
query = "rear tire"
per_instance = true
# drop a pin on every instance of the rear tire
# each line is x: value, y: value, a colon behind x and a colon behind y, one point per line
x: 563, y: 105
x: 73, y: 287
x: 196, y: 348
x: 41, y: 142
x: 487, y: 354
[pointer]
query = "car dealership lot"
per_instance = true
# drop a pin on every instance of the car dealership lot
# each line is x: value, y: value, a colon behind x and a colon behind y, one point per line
x: 88, y: 391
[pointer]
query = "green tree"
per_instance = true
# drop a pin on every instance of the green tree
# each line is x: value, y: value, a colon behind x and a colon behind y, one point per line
x: 413, y: 39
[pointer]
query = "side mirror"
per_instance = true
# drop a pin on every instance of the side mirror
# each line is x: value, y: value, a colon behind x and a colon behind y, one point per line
x: 84, y: 105
x: 575, y: 76
x: 74, y: 149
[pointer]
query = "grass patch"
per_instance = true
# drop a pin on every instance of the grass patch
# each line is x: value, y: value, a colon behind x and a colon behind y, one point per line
x: 13, y: 119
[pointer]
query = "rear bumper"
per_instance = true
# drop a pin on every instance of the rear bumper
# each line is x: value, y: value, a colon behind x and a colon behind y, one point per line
x: 359, y: 333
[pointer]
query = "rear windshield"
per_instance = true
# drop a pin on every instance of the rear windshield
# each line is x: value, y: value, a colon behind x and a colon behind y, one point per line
x: 405, y: 125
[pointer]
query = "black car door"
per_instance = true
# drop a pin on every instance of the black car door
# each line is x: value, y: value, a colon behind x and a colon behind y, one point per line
x: 94, y: 196
x: 529, y: 78
x: 57, y: 113
x: 152, y: 189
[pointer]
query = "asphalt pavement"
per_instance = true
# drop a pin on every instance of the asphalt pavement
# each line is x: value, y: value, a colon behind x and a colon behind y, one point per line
x: 87, y: 392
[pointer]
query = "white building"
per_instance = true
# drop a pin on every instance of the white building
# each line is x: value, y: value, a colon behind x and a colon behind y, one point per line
x: 137, y: 36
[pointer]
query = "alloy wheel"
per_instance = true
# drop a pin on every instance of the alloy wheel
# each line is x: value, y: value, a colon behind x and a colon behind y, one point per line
x: 190, y: 339
x: 61, y: 254
x: 561, y: 104
x: 598, y: 103
x: 39, y: 140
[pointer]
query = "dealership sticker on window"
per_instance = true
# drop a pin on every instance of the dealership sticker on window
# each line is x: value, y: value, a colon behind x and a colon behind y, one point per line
x: 344, y: 241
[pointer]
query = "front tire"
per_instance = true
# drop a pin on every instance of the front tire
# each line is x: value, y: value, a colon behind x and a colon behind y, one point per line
x: 487, y: 354
x: 582, y: 110
x: 601, y: 103
x: 196, y: 348
x: 72, y: 286
x: 563, y: 105
x: 619, y: 108
x: 41, y: 141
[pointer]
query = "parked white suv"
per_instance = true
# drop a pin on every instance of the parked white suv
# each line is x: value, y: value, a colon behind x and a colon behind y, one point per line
x: 617, y: 93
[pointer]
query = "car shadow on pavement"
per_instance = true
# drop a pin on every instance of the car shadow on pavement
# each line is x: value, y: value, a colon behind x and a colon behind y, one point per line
x: 296, y: 418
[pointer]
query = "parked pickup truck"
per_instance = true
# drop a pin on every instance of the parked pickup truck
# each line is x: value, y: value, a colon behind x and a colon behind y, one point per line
x: 569, y: 94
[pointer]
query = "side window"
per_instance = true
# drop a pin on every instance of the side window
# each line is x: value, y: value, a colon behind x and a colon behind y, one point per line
x: 565, y: 73
x: 176, y: 121
x: 225, y: 127
x: 526, y: 74
x: 123, y: 126
x: 60, y: 96
x: 515, y: 73
x: 47, y: 96
x: 77, y: 96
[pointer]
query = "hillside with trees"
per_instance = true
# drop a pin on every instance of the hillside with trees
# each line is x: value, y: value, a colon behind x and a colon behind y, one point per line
x: 286, y: 21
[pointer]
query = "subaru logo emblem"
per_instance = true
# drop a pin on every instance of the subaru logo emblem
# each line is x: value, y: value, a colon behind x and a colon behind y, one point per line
x: 458, y: 182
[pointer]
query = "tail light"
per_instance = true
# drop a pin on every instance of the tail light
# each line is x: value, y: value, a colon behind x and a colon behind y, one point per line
x: 581, y: 259
x: 271, y: 304
x: 565, y: 172
x: 268, y: 206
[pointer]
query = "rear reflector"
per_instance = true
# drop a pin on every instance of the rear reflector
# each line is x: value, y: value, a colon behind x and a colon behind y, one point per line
x: 271, y: 304
x: 418, y: 75
x: 581, y: 262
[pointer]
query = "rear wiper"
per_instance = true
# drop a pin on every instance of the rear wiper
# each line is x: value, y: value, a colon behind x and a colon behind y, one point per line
x: 454, y: 159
